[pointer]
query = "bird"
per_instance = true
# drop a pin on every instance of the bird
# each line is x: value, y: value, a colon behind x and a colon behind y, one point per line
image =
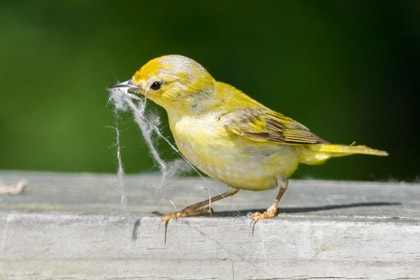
x: 228, y: 135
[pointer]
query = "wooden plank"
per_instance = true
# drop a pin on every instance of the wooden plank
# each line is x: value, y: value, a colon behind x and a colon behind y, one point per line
x: 74, y: 226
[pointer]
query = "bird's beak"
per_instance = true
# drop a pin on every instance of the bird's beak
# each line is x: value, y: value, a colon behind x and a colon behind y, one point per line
x: 127, y: 84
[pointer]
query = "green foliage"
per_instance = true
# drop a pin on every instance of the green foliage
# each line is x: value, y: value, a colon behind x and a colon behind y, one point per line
x: 346, y: 69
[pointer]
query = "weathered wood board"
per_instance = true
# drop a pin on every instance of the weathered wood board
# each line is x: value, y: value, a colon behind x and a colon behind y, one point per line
x: 74, y: 226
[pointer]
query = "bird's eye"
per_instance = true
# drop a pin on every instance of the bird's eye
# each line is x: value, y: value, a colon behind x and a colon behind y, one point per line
x: 156, y: 85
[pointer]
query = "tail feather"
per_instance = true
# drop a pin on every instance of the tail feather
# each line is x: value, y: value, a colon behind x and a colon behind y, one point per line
x: 337, y: 150
x: 319, y: 153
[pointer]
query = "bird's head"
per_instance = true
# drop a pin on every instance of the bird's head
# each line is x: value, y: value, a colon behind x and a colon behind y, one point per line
x: 171, y: 81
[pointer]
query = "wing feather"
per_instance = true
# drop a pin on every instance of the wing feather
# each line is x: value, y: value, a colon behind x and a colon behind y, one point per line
x: 265, y: 125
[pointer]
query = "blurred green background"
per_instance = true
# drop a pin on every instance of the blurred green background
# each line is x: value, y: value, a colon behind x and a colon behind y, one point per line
x: 349, y: 70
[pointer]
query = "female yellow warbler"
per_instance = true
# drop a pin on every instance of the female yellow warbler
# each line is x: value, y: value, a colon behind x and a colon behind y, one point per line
x: 227, y: 134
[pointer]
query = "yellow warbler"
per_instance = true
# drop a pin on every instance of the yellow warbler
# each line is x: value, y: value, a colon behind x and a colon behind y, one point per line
x: 227, y: 134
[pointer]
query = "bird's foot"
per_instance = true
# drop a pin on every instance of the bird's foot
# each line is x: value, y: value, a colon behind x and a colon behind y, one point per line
x: 186, y: 212
x: 268, y: 214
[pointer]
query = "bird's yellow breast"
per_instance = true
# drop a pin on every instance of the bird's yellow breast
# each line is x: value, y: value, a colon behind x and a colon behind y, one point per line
x: 227, y: 157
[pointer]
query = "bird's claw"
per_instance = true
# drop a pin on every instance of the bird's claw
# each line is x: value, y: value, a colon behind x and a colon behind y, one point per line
x: 167, y: 217
x: 259, y: 216
x: 268, y: 214
x: 186, y: 212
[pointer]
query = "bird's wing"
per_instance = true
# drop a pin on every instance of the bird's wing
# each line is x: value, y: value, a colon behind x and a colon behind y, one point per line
x: 265, y: 125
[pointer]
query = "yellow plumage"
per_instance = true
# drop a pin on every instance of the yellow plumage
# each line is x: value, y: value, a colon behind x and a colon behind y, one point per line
x: 227, y: 134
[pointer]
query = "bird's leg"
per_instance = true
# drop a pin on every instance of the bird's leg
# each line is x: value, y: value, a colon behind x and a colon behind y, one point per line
x: 198, y: 208
x: 282, y: 181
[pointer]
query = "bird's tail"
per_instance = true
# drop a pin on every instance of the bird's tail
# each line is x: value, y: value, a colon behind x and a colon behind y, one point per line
x: 343, y: 150
x: 318, y: 153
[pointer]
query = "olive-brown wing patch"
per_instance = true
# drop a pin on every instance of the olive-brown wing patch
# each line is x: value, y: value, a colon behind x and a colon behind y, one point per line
x: 264, y: 125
